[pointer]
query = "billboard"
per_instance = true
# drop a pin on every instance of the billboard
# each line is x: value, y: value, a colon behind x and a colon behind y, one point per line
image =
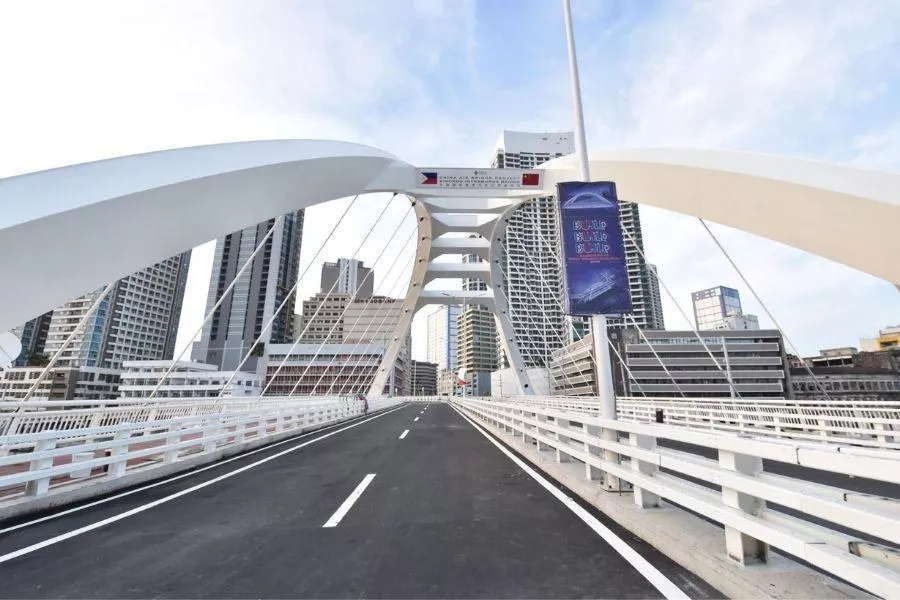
x: 494, y: 179
x: 595, y: 274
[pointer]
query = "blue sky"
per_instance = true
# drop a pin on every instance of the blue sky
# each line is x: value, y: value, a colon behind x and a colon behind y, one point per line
x: 434, y: 81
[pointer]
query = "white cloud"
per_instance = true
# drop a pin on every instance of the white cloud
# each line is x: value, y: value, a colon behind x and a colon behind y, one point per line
x: 100, y: 78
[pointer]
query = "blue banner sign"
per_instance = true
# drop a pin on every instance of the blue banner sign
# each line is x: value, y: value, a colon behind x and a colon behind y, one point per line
x: 594, y: 268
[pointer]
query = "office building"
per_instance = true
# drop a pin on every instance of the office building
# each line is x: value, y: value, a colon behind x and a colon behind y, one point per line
x: 61, y: 383
x: 423, y: 381
x: 322, y: 319
x: 477, y: 349
x: 137, y: 320
x: 720, y: 308
x: 476, y: 340
x: 441, y: 348
x: 447, y: 382
x: 373, y: 320
x: 240, y: 319
x: 347, y: 276
x: 186, y: 380
x: 755, y: 361
x: 33, y: 336
x: 332, y: 369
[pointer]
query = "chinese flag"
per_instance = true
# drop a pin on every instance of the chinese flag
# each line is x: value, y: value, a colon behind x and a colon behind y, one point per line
x: 531, y: 178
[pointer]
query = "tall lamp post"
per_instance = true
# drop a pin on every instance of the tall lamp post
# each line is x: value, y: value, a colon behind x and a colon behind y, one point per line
x: 602, y: 363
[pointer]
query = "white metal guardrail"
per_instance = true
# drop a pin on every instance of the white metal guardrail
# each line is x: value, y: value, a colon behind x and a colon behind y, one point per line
x: 69, y: 417
x: 862, y: 423
x: 105, y: 442
x: 627, y: 451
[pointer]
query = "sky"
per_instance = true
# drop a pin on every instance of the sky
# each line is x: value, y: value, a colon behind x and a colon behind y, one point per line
x: 435, y: 81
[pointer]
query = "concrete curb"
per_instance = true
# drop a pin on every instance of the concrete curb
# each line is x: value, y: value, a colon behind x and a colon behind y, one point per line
x: 85, y: 490
x: 695, y: 544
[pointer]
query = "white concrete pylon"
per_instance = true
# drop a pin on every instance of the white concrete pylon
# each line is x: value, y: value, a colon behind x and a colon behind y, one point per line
x: 438, y: 220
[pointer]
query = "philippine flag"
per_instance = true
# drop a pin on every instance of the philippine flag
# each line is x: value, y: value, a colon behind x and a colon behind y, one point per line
x: 531, y: 178
x: 429, y: 178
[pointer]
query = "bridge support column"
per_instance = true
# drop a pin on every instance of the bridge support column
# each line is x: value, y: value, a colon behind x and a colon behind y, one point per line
x: 741, y: 547
x: 642, y: 497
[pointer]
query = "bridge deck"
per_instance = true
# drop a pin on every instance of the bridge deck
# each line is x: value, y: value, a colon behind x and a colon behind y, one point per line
x: 446, y: 515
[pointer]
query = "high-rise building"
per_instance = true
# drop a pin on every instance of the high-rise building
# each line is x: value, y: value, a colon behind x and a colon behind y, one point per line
x: 239, y: 321
x: 138, y: 319
x: 442, y: 337
x: 655, y: 299
x: 720, y: 308
x: 33, y: 336
x: 476, y: 339
x: 347, y: 276
x: 532, y: 277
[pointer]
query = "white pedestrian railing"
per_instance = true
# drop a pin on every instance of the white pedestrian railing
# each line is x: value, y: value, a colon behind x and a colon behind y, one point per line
x: 863, y: 423
x: 56, y: 447
x: 626, y: 454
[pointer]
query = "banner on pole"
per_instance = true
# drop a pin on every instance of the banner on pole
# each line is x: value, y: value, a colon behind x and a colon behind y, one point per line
x: 595, y: 273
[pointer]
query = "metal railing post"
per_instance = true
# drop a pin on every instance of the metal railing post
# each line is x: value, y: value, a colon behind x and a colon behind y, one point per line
x: 36, y: 487
x: 642, y: 497
x: 740, y: 546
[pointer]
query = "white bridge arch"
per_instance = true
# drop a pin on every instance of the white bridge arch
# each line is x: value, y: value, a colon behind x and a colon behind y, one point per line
x: 57, y: 227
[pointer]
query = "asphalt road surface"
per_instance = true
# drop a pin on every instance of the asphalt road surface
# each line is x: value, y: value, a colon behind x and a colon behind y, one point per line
x: 350, y: 511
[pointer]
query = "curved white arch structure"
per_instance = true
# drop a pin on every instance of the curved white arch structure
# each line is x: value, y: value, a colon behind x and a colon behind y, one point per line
x: 846, y: 214
x: 66, y: 231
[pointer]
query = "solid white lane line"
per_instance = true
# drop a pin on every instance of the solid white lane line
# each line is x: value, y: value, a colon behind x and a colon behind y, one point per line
x: 403, y: 435
x: 641, y: 564
x: 214, y: 465
x: 139, y: 509
x: 416, y: 419
x: 344, y: 508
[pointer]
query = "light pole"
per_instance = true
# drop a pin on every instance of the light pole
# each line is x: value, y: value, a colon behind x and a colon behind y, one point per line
x: 602, y: 364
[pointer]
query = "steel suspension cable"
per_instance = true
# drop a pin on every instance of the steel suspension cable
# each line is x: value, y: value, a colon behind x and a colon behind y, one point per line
x: 327, y: 297
x: 763, y: 304
x: 344, y: 311
x: 288, y: 296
